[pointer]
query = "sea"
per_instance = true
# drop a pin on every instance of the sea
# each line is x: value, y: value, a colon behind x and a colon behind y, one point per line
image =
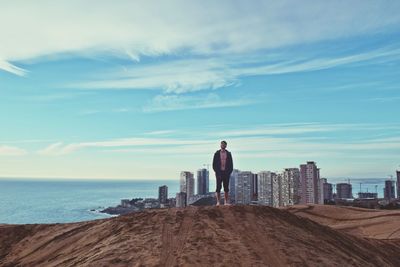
x: 29, y: 201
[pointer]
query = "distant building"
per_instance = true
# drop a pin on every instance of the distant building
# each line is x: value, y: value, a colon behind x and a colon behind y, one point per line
x: 309, y: 183
x: 321, y: 192
x: 398, y: 183
x: 243, y: 187
x: 181, y: 200
x: 276, y: 190
x: 172, y: 202
x: 187, y: 184
x: 328, y: 191
x: 388, y: 191
x: 265, y: 187
x: 344, y: 190
x: 292, y: 176
x: 182, y: 181
x: 190, y: 187
x: 367, y: 195
x: 254, y: 189
x: 232, y: 185
x: 163, y: 194
x: 202, y: 181
x: 151, y: 203
x: 284, y: 190
x: 126, y: 203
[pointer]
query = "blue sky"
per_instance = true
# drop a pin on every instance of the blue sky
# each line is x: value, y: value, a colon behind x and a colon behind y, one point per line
x: 134, y: 90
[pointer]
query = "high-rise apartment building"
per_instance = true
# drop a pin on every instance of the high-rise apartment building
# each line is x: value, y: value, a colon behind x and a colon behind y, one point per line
x: 254, y: 189
x: 232, y: 185
x: 328, y: 192
x: 243, y: 187
x: 264, y: 179
x: 202, y: 181
x: 309, y: 179
x: 388, y: 191
x: 398, y: 183
x: 344, y: 190
x: 292, y: 175
x: 163, y: 194
x: 187, y: 184
x: 180, y: 200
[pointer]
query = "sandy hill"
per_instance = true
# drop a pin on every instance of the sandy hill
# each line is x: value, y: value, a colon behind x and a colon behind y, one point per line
x: 199, y: 236
x: 378, y: 224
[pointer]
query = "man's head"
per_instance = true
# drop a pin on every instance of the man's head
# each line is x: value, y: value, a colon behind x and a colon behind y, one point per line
x: 223, y: 144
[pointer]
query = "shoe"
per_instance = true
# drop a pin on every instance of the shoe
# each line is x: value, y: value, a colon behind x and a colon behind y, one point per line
x: 217, y: 204
x: 228, y: 204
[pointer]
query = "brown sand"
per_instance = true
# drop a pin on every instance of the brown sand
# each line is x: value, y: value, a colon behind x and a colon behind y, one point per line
x: 379, y: 224
x: 198, y: 236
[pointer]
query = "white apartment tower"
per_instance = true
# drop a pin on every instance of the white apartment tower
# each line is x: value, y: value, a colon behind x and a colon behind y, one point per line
x: 309, y: 183
x: 265, y: 187
x: 243, y: 187
x: 187, y: 184
x: 232, y: 184
x: 292, y: 177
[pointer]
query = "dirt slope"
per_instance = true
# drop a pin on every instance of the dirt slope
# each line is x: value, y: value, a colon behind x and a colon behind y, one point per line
x: 379, y: 224
x: 194, y: 236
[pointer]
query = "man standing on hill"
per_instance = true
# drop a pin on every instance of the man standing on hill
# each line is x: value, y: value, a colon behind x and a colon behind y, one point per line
x: 223, y: 167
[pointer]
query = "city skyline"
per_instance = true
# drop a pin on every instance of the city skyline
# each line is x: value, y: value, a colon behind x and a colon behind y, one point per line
x: 139, y: 90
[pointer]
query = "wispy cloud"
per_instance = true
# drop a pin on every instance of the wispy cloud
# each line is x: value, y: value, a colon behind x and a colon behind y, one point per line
x: 52, y: 149
x: 179, y: 102
x: 7, y: 66
x: 88, y: 112
x: 128, y: 29
x: 178, y: 76
x: 383, y: 99
x: 189, y: 75
x: 246, y: 142
x: 308, y: 127
x: 11, y: 151
x: 63, y: 149
x: 161, y: 132
x: 23, y: 141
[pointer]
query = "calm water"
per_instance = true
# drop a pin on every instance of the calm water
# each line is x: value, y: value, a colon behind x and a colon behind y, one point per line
x: 46, y: 201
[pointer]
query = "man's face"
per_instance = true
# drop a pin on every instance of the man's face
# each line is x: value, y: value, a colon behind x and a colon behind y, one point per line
x: 223, y: 145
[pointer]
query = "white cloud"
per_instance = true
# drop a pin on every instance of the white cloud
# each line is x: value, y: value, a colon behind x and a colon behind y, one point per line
x: 189, y: 75
x: 383, y: 99
x: 26, y: 141
x: 61, y: 149
x: 245, y: 143
x: 11, y: 151
x: 4, y: 65
x: 53, y: 149
x: 179, y: 102
x: 309, y: 127
x: 178, y: 76
x: 161, y: 132
x: 131, y: 29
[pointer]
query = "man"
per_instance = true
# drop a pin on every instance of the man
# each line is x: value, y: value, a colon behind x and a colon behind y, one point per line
x: 223, y: 167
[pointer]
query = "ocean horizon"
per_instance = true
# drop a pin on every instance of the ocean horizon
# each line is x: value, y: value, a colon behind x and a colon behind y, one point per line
x: 44, y: 200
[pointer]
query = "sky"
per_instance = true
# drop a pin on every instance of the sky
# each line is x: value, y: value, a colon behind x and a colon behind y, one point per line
x: 147, y: 89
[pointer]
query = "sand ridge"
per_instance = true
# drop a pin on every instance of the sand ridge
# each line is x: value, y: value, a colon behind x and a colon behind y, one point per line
x: 378, y: 224
x: 195, y: 236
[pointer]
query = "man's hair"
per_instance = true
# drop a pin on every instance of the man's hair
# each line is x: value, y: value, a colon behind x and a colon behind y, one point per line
x: 223, y: 141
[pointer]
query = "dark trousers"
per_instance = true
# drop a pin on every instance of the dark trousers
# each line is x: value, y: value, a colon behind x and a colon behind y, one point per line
x: 222, y: 178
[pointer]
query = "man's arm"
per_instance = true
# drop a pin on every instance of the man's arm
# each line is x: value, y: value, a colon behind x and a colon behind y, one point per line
x: 230, y: 162
x: 215, y: 167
